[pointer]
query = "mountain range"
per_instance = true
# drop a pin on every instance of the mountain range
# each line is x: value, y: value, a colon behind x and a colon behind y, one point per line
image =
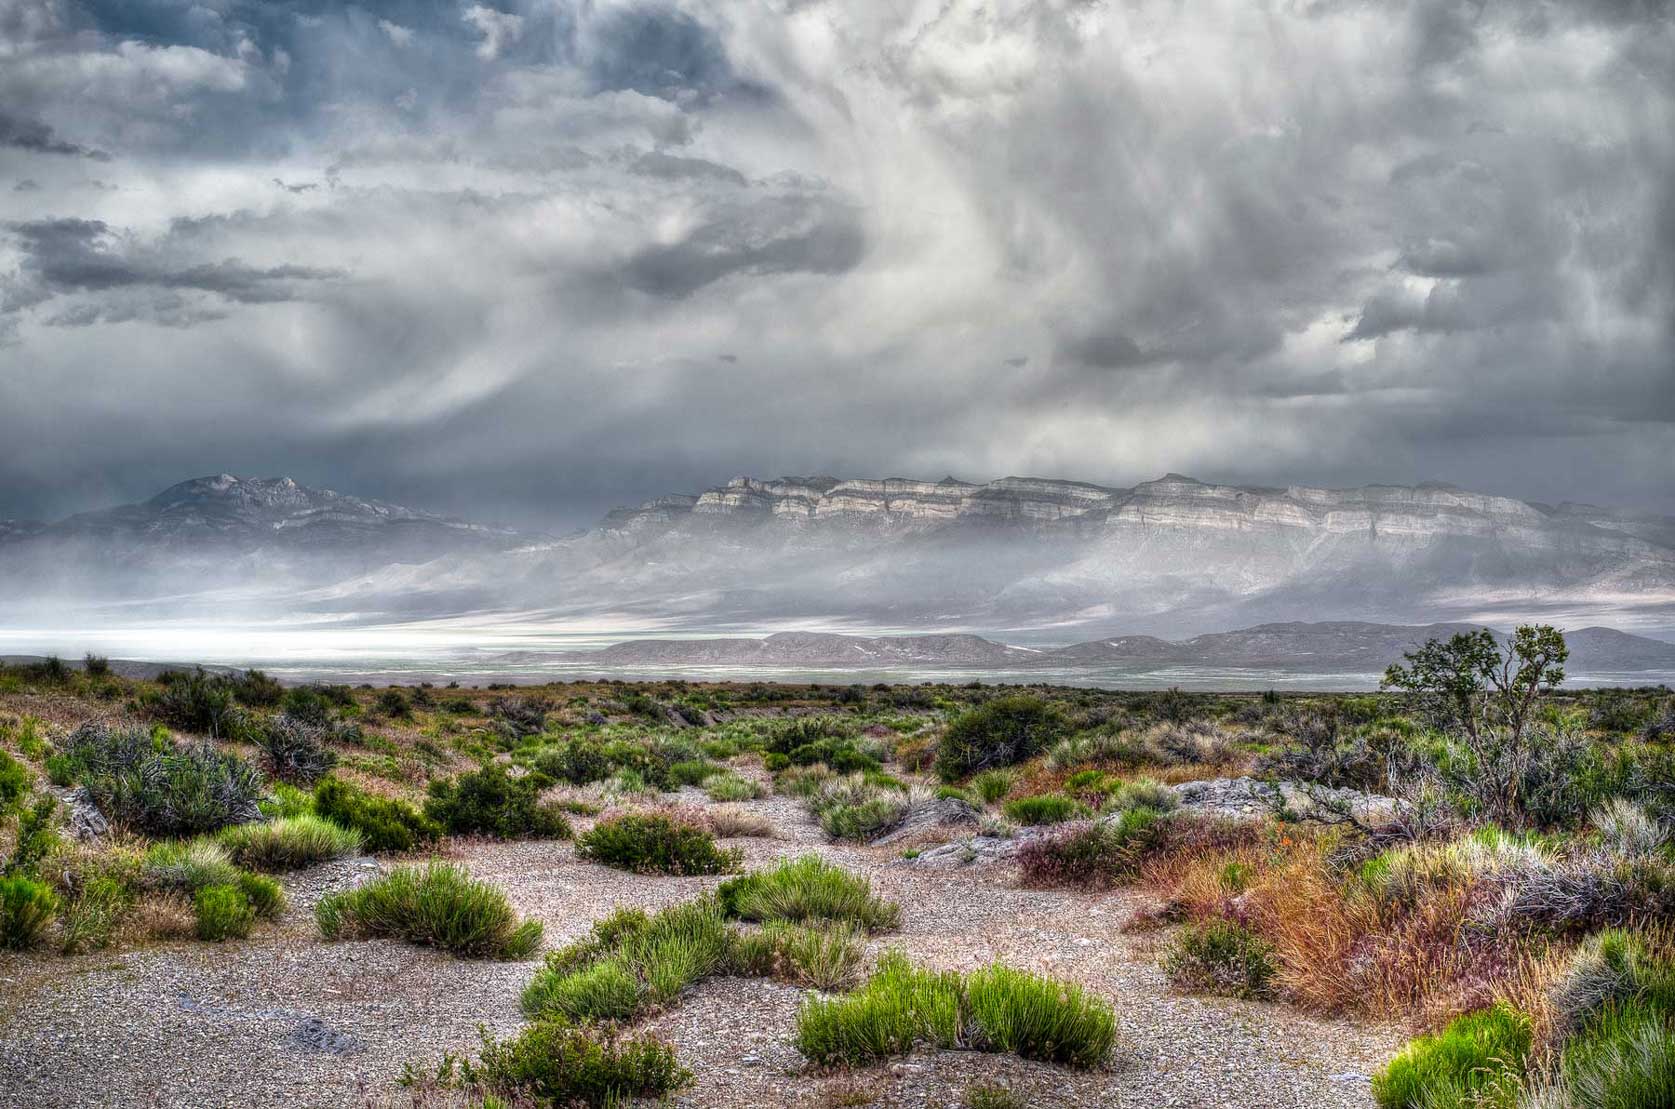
x: 1339, y: 647
x: 1030, y: 561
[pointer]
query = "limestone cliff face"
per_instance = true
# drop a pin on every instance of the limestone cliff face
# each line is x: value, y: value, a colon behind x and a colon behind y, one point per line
x: 1388, y: 514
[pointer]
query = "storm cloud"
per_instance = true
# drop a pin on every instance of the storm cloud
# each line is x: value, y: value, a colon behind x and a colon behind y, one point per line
x: 527, y: 259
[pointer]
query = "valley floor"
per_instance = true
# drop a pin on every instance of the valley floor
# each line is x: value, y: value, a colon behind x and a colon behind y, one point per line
x: 193, y: 1024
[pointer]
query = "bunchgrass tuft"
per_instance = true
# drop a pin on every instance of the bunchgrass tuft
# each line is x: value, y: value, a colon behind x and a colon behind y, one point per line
x: 223, y: 913
x: 631, y: 964
x: 899, y: 1008
x: 822, y: 958
x: 1039, y: 1018
x: 995, y: 1009
x: 289, y: 843
x: 1046, y: 808
x: 437, y: 905
x: 652, y: 843
x: 808, y: 889
x: 26, y: 908
x: 1476, y: 1053
x: 549, y: 1063
x: 1220, y: 957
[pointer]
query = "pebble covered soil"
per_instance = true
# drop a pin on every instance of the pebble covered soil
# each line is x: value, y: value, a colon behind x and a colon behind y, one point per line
x: 284, y: 1019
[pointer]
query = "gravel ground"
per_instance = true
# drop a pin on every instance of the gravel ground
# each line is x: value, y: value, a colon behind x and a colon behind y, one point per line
x: 225, y: 1025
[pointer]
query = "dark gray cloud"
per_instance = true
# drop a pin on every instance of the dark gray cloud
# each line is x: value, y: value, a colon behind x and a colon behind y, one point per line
x: 530, y: 258
x: 63, y: 257
x: 36, y: 137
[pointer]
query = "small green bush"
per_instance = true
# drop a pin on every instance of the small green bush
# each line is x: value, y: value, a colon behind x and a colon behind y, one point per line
x: 180, y: 792
x: 295, y: 750
x: 1475, y: 1053
x: 266, y: 896
x: 994, y: 1009
x: 1039, y: 1018
x: 289, y: 843
x: 899, y: 1007
x: 1046, y: 808
x: 186, y: 866
x: 557, y: 1065
x: 385, y: 824
x: 690, y: 772
x: 1098, y: 855
x: 438, y: 905
x: 1626, y: 1061
x: 651, y: 843
x: 197, y: 701
x: 490, y: 802
x: 821, y: 958
x: 993, y: 785
x: 1220, y: 957
x: 1004, y: 731
x: 26, y: 908
x: 808, y: 889
x: 730, y: 787
x: 14, y: 782
x: 37, y: 835
x: 223, y: 912
x: 631, y: 963
x: 988, y: 1096
x: 89, y: 921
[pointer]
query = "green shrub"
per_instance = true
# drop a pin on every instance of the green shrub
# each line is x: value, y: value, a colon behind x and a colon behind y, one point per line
x: 1626, y: 1061
x: 1090, y: 856
x: 437, y: 905
x: 289, y: 843
x: 577, y: 761
x: 26, y: 908
x: 730, y: 787
x: 14, y: 782
x: 986, y: 1095
x: 822, y: 958
x: 286, y: 800
x: 386, y: 824
x: 651, y: 843
x: 808, y: 889
x: 1039, y: 1018
x: 630, y: 963
x: 555, y: 1065
x: 490, y: 802
x: 197, y: 701
x: 294, y: 750
x: 89, y: 921
x: 1142, y: 793
x: 690, y: 772
x: 37, y: 834
x: 1475, y: 1053
x: 1046, y: 808
x: 1220, y: 957
x: 223, y: 912
x: 858, y: 808
x: 899, y: 1007
x: 140, y: 781
x: 993, y: 785
x: 1004, y: 731
x: 266, y: 896
x: 186, y: 866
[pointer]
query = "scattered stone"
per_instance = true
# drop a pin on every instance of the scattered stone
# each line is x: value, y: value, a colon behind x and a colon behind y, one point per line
x: 317, y: 1035
x: 944, y: 812
x: 1253, y: 798
x: 85, y: 820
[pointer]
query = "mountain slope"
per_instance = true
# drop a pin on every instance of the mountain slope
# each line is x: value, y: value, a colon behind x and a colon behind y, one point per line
x: 1339, y: 647
x: 1033, y: 560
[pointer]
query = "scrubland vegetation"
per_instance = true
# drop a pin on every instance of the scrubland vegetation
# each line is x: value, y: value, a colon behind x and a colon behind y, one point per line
x: 1472, y: 853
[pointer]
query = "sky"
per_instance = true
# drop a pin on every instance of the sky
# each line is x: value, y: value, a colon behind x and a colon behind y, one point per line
x: 524, y: 260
